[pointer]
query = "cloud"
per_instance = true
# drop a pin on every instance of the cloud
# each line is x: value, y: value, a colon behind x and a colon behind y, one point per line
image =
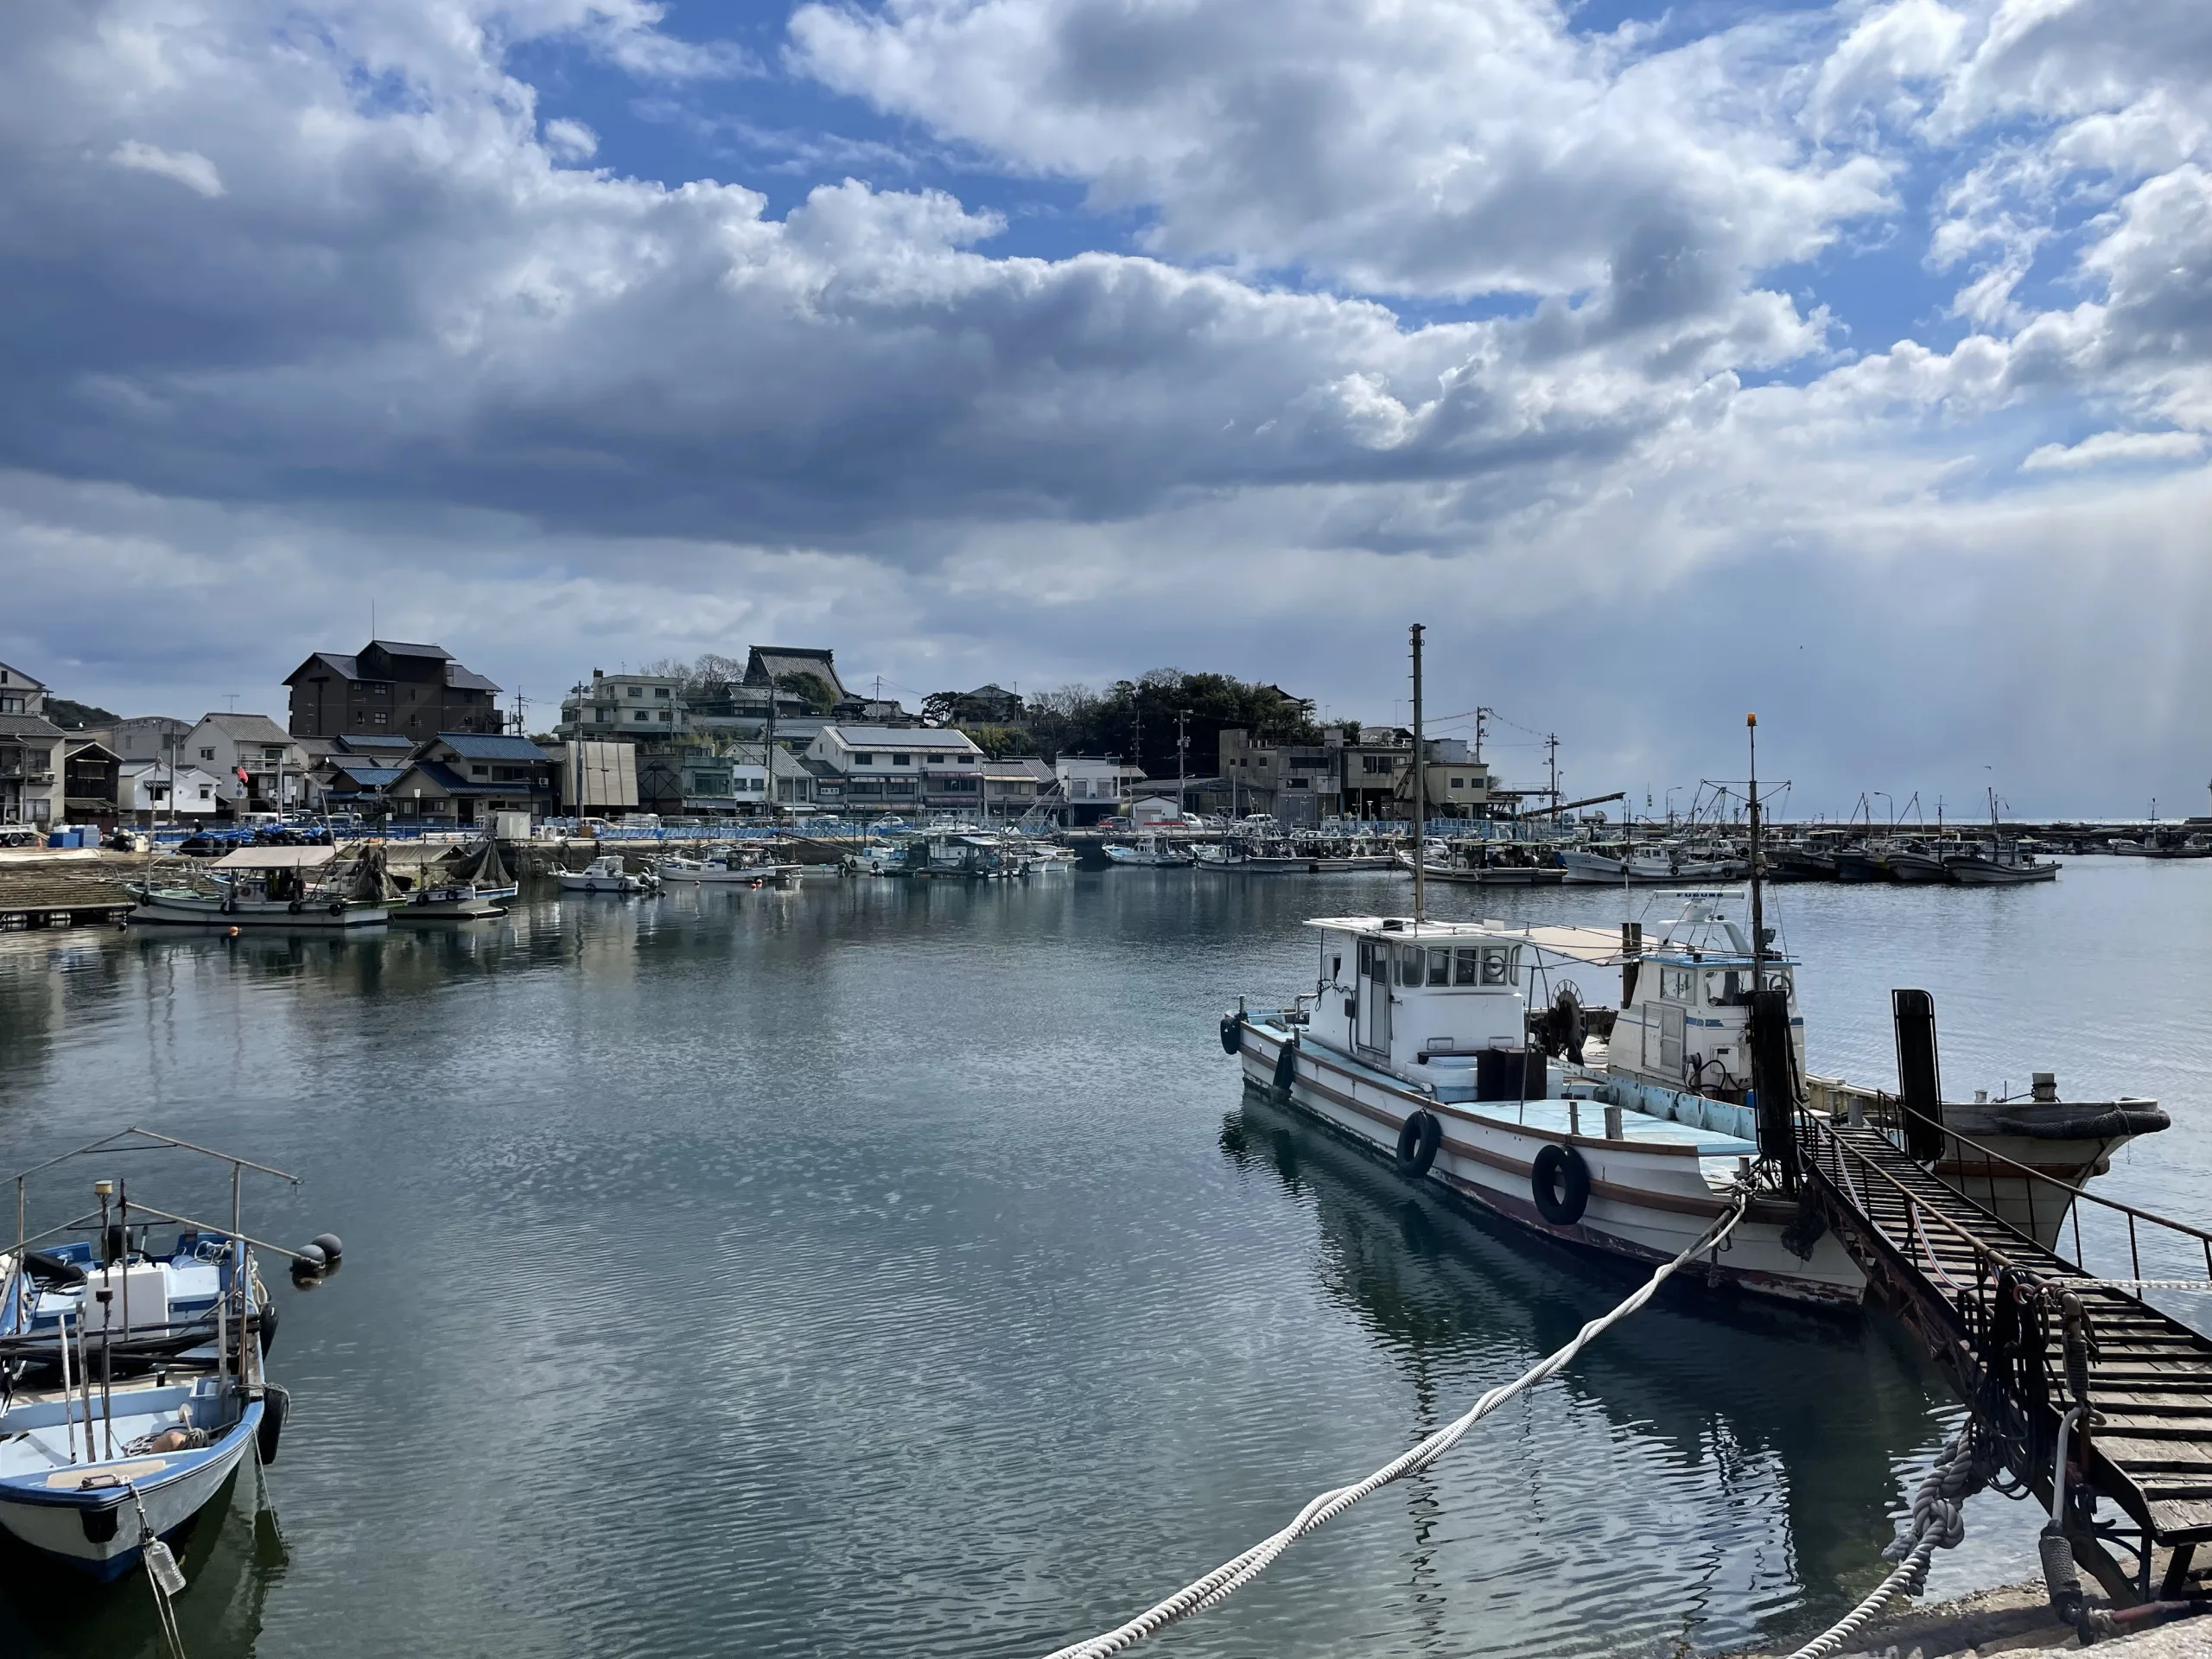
x: 2114, y: 447
x: 570, y: 141
x: 188, y: 168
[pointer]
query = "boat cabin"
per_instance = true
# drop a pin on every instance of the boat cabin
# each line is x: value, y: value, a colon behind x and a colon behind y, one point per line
x: 1424, y: 1001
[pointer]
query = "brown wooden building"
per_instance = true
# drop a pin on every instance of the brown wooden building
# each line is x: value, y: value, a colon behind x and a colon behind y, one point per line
x: 389, y: 688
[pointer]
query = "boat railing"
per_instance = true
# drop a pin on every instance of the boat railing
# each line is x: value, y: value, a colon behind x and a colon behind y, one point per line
x: 2174, y: 1244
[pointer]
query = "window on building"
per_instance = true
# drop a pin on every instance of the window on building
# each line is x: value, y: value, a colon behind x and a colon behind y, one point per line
x: 861, y: 758
x: 11, y: 705
x: 380, y: 718
x: 662, y: 692
x: 641, y: 714
x: 480, y: 771
x: 1458, y: 783
x: 633, y: 691
x: 206, y: 791
x: 206, y: 754
x: 902, y: 759
x: 668, y: 715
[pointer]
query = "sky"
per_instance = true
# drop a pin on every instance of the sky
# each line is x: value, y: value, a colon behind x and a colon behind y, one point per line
x: 1851, y: 364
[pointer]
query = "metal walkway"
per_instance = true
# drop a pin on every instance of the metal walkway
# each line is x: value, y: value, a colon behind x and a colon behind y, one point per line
x: 2025, y: 1334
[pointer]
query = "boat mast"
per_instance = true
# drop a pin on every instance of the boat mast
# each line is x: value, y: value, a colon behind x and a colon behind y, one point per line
x: 1421, y: 796
x: 1758, y: 910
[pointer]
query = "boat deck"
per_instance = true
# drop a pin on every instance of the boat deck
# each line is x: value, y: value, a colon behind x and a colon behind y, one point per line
x: 1558, y: 1116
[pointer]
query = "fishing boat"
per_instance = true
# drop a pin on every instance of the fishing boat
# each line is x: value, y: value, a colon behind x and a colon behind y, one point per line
x: 1998, y: 863
x: 728, y: 865
x: 474, y: 886
x: 136, y: 1372
x: 1149, y: 851
x: 1259, y: 852
x: 1475, y: 862
x: 606, y: 874
x: 289, y: 887
x: 1650, y: 863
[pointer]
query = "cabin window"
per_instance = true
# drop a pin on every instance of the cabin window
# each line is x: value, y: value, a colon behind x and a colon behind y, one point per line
x: 1467, y: 965
x: 1409, y: 958
x: 1677, y: 984
x: 1496, y: 966
x: 1728, y: 989
x: 1440, y: 967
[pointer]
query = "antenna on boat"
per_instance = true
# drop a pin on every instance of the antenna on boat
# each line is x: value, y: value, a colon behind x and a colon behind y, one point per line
x: 1758, y: 909
x: 1421, y: 796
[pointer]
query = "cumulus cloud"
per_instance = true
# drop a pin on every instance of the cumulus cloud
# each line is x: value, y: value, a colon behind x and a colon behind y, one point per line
x: 371, y: 311
x: 189, y: 168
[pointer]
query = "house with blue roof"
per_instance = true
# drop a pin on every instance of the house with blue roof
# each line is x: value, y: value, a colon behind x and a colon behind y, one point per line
x: 459, y: 779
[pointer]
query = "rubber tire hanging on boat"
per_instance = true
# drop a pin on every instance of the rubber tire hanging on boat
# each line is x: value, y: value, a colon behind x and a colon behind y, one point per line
x: 1232, y: 1033
x: 1418, y: 1136
x: 1562, y: 1168
x: 274, y: 1403
x: 296, y: 907
x: 1286, y: 1068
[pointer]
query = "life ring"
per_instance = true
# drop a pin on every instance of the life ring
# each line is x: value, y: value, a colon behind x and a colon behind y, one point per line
x: 1418, y: 1136
x: 1286, y: 1068
x: 1560, y: 1182
x: 1232, y: 1033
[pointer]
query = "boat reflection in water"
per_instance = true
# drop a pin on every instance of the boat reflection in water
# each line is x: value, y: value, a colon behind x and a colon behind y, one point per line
x: 232, y: 1555
x: 1705, y: 1476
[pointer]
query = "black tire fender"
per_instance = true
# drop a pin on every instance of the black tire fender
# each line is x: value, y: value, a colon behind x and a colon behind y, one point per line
x: 337, y: 906
x: 1418, y: 1136
x: 296, y: 907
x: 275, y: 1405
x: 1286, y: 1067
x: 1560, y: 1183
x: 1232, y: 1033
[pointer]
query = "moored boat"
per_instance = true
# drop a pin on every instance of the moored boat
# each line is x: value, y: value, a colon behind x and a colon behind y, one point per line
x: 137, y: 1378
x: 289, y: 887
x: 1149, y: 850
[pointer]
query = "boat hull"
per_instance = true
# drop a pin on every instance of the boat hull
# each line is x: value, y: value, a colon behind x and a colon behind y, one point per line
x: 175, y: 911
x: 1987, y: 873
x: 1644, y: 1206
x: 53, y: 1521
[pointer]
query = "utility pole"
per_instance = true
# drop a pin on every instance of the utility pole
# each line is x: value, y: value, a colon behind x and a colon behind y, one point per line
x: 1551, y: 743
x: 1481, y: 716
x: 1421, y: 796
x: 1182, y: 751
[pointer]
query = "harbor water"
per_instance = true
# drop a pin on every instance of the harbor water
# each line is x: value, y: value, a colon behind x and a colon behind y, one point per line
x: 901, y: 1269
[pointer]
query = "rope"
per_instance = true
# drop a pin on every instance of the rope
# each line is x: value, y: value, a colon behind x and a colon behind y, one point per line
x: 1233, y: 1574
x: 1937, y: 1521
x: 157, y: 1563
x: 2134, y: 1284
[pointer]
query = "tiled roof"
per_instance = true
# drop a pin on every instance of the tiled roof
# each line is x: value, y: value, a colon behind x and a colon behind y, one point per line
x: 454, y: 784
x: 904, y: 737
x: 28, y: 726
x: 362, y: 775
x: 345, y: 667
x: 375, y: 743
x: 250, y: 728
x: 401, y: 648
x: 466, y: 679
x: 491, y: 746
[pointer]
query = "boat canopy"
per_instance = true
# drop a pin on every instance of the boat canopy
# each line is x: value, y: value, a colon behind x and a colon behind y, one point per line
x: 276, y: 858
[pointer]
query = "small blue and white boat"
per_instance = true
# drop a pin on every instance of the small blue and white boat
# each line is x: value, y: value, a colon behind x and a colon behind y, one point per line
x: 132, y: 1380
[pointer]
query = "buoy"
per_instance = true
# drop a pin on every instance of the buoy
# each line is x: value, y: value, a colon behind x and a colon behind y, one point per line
x: 234, y: 932
x: 308, y: 1262
x: 328, y: 1245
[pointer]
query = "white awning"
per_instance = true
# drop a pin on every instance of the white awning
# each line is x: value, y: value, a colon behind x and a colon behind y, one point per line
x: 276, y: 858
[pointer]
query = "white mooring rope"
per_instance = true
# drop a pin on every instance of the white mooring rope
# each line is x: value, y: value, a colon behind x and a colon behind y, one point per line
x: 1937, y: 1521
x: 1233, y: 1575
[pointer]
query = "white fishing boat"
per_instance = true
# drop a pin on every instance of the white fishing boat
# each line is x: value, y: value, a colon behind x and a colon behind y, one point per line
x: 1150, y: 851
x: 1650, y: 863
x: 288, y: 887
x: 1490, y: 864
x: 137, y: 1381
x: 728, y: 866
x: 474, y: 886
x: 1998, y: 863
x: 606, y: 874
x: 1416, y: 1043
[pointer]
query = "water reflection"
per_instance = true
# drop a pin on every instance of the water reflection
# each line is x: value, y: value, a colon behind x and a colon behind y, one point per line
x: 1688, y: 1388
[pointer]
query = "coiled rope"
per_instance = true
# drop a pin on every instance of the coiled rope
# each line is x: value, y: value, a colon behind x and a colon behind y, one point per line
x: 1937, y: 1521
x: 1233, y: 1575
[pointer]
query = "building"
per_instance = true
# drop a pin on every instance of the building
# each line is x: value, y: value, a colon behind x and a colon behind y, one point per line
x: 807, y: 670
x: 1017, y: 784
x: 257, y: 766
x: 30, y: 763
x: 19, y: 694
x: 643, y: 708
x: 459, y: 779
x: 143, y: 793
x: 594, y: 777
x: 1298, y: 783
x: 389, y: 686
x: 1349, y: 774
x: 880, y: 769
x: 144, y: 737
x: 1457, y: 785
x: 89, y: 781
x: 1092, y: 788
x: 986, y: 705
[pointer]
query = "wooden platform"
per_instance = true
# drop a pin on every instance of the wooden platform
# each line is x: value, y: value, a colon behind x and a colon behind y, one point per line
x: 1981, y: 1295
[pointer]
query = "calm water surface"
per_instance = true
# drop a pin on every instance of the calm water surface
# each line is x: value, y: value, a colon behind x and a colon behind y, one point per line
x: 901, y: 1269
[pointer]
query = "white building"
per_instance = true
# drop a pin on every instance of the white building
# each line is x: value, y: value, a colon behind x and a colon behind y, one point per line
x: 897, y: 768
x: 639, y: 706
x: 275, y: 767
x: 1085, y: 779
x: 142, y: 792
x: 146, y: 737
x: 19, y: 694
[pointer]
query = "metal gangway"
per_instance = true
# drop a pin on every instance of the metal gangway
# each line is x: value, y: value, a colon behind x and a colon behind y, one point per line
x: 2100, y: 1402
